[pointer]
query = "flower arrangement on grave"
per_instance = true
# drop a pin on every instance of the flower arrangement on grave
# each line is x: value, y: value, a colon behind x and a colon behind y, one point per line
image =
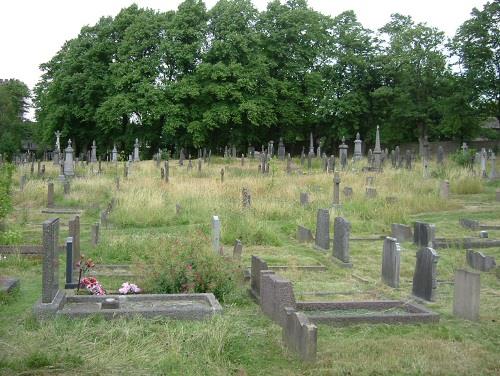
x: 129, y: 288
x: 91, y: 284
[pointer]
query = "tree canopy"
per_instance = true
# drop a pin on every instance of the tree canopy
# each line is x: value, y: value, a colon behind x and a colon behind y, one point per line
x: 234, y: 75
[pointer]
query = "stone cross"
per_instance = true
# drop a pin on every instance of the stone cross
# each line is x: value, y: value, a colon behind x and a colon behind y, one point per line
x: 391, y: 255
x: 466, y: 295
x: 58, y: 144
x: 424, y: 278
x: 464, y: 148
x: 323, y: 230
x: 341, y: 233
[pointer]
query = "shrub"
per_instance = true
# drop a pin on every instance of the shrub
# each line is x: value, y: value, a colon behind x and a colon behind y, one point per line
x: 464, y: 159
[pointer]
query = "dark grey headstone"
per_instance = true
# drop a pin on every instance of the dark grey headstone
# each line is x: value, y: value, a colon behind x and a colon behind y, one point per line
x: 341, y: 232
x: 74, y: 232
x: 50, y: 195
x: 469, y: 223
x: 304, y: 235
x: 323, y: 229
x: 390, y: 262
x: 257, y: 266
x: 478, y: 261
x: 347, y: 192
x: 466, y: 295
x: 424, y: 234
x: 276, y: 293
x: 299, y: 335
x: 304, y: 198
x: 401, y: 232
x: 425, y: 276
x: 50, y: 270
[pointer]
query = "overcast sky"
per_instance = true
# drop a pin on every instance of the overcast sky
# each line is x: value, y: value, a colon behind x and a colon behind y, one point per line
x: 32, y: 31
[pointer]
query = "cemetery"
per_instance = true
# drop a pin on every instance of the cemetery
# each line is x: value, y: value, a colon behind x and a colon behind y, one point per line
x: 250, y: 187
x: 325, y: 271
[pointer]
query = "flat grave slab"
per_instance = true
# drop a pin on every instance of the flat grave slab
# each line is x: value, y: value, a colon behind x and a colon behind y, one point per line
x: 61, y: 211
x: 175, y: 306
x: 7, y: 284
x: 372, y: 312
x: 466, y: 243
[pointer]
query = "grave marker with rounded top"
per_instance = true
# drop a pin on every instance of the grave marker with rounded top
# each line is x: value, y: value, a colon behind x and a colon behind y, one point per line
x: 391, y: 255
x: 323, y: 230
x: 341, y: 233
x: 425, y: 276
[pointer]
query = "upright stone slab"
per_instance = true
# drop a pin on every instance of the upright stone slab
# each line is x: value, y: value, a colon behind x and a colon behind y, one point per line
x: 304, y: 235
x: 445, y: 190
x: 341, y: 233
x: 94, y: 234
x: 93, y: 153
x: 343, y: 154
x: 479, y: 261
x: 424, y: 234
x: 237, y: 250
x: 371, y: 192
x: 70, y: 262
x: 466, y: 295
x: 425, y: 276
x: 323, y: 230
x: 440, y: 155
x: 74, y: 233
x: 258, y: 265
x: 281, y: 150
x: 300, y: 335
x: 246, y: 198
x: 402, y: 233
x: 216, y: 229
x: 50, y: 195
x: 391, y: 258
x: 66, y: 187
x: 336, y: 189
x: 276, y: 293
x: 136, y: 151
x: 50, y: 270
x: 347, y: 192
x: 377, y: 162
x: 68, y: 169
x: 114, y: 154
x: 304, y: 198
x: 357, y: 148
x: 493, y: 172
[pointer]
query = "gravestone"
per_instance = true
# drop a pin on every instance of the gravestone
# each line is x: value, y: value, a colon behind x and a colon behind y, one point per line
x: 237, y: 250
x: 74, y: 233
x: 445, y: 190
x: 493, y: 172
x: 391, y: 258
x: 336, y: 189
x: 371, y: 192
x: 281, y: 150
x: 324, y: 162
x: 483, y: 234
x: 166, y: 167
x: 377, y: 163
x: 70, y: 284
x: 50, y: 269
x: 94, y: 234
x: 182, y: 157
x: 93, y: 153
x: 246, y: 198
x: 216, y: 230
x: 408, y: 160
x: 242, y: 160
x: 478, y: 261
x: 466, y: 295
x: 341, y: 232
x: 425, y: 276
x: 222, y: 175
x: 331, y: 164
x: 347, y: 192
x: 440, y: 155
x: 357, y: 148
x: 50, y: 195
x: 162, y: 173
x: 288, y: 164
x: 343, y: 154
x: 483, y: 163
x: 401, y: 233
x: 304, y: 235
x: 114, y: 154
x: 136, y: 151
x: 258, y: 266
x: 302, y: 158
x: 68, y: 169
x: 309, y: 162
x: 370, y: 180
x: 323, y: 230
x: 299, y: 335
x: 304, y: 198
x: 424, y: 234
x: 66, y: 187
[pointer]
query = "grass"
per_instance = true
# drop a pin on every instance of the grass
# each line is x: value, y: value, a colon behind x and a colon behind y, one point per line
x: 145, y: 229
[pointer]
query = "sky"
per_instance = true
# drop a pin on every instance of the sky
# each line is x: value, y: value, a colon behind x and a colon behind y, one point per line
x: 32, y: 31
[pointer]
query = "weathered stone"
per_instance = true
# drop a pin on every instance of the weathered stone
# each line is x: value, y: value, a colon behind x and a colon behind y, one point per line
x: 66, y: 187
x: 237, y: 250
x: 93, y: 153
x: 466, y: 295
x: 136, y: 151
x: 478, y: 261
x: 110, y: 303
x: 469, y: 223
x: 440, y: 155
x: 341, y: 232
x: 370, y: 180
x: 276, y: 293
x: 493, y: 172
x: 323, y: 229
x: 304, y: 235
x: 257, y: 266
x: 304, y: 198
x: 216, y: 230
x: 445, y: 190
x: 50, y: 195
x: 371, y: 192
x: 246, y: 198
x: 50, y: 271
x: 8, y: 284
x: 74, y: 233
x: 424, y: 234
x: 377, y: 162
x: 483, y: 234
x: 357, y: 148
x: 424, y: 278
x: 22, y: 182
x: 68, y: 168
x: 347, y: 192
x: 299, y: 335
x: 390, y: 262
x: 94, y: 234
x: 70, y: 284
x: 343, y: 154
x: 402, y: 233
x: 336, y: 189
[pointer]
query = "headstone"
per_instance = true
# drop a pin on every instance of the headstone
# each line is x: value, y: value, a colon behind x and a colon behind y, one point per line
x: 50, y: 271
x: 391, y: 255
x: 288, y: 164
x: 466, y: 295
x: 336, y: 189
x: 246, y: 198
x: 401, y: 233
x: 50, y: 195
x: 68, y: 160
x: 242, y: 160
x: 483, y: 234
x: 233, y: 150
x: 377, y: 163
x: 57, y: 150
x: 424, y: 278
x: 357, y: 148
x: 343, y: 154
x: 371, y: 192
x: 304, y: 235
x: 309, y: 162
x: 408, y: 160
x: 162, y: 173
x: 216, y: 230
x: 257, y: 267
x: 478, y: 261
x: 323, y: 230
x: 93, y: 153
x: 199, y: 165
x: 370, y: 180
x: 302, y: 158
x: 311, y: 145
x: 440, y: 155
x: 341, y: 232
x: 167, y: 170
x: 237, y: 250
x: 94, y: 234
x: 464, y: 148
x: 424, y: 234
x: 182, y: 157
x: 69, y: 265
x: 222, y: 175
x: 304, y: 198
x: 347, y: 192
x: 136, y: 151
x: 299, y: 335
x: 330, y: 164
x: 74, y: 233
x: 445, y: 190
x: 493, y: 172
x: 483, y: 163
x: 114, y: 154
x: 281, y: 150
x: 67, y: 187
